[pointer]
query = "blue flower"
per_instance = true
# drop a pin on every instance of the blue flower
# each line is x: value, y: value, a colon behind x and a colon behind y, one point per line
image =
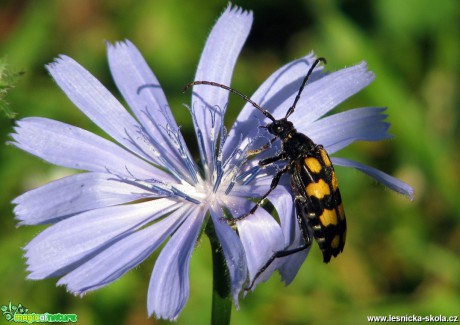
x: 145, y: 189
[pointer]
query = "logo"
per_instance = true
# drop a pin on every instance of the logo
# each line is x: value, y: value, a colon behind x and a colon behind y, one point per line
x: 20, y: 314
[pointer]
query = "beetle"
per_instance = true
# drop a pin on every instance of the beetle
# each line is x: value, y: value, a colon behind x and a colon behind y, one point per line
x: 317, y: 199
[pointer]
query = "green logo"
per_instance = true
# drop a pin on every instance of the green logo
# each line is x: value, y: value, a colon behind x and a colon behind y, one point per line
x: 19, y: 314
x: 11, y: 310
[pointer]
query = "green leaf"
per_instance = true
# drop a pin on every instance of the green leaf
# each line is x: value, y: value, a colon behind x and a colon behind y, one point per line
x: 7, y: 82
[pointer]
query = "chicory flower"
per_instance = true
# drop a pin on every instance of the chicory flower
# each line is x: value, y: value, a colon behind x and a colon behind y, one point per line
x: 144, y: 188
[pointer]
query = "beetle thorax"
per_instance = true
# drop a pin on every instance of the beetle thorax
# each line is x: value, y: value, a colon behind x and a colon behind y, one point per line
x: 282, y: 129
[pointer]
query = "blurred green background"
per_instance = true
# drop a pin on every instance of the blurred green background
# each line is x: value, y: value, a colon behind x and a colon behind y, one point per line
x: 401, y: 257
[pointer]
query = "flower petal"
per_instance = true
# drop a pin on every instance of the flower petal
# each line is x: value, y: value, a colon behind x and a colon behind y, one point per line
x: 233, y: 251
x: 282, y: 200
x: 74, y: 194
x: 143, y: 93
x: 121, y: 257
x: 387, y: 180
x: 288, y: 266
x: 337, y: 131
x: 321, y: 96
x: 169, y: 284
x: 282, y: 84
x: 68, y: 146
x: 261, y: 236
x: 256, y: 188
x: 55, y: 250
x: 96, y: 102
x: 216, y: 64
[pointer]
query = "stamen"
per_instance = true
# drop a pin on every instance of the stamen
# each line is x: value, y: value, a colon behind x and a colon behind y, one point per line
x: 219, y: 168
x: 220, y: 174
x: 239, y: 161
x: 232, y: 175
x: 212, y: 137
x: 247, y: 176
x: 201, y: 146
x: 165, y: 162
x: 183, y: 195
x: 176, y: 140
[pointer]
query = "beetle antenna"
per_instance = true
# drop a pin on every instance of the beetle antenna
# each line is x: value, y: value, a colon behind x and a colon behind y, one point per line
x: 304, y: 82
x: 236, y: 92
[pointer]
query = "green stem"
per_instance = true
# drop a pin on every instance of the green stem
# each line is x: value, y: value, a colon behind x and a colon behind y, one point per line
x: 221, y: 291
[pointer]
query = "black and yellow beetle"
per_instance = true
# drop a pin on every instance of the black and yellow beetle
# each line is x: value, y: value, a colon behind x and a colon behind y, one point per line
x: 314, y: 184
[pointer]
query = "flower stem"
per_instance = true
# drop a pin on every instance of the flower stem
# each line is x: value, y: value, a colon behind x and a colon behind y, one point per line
x: 221, y: 298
